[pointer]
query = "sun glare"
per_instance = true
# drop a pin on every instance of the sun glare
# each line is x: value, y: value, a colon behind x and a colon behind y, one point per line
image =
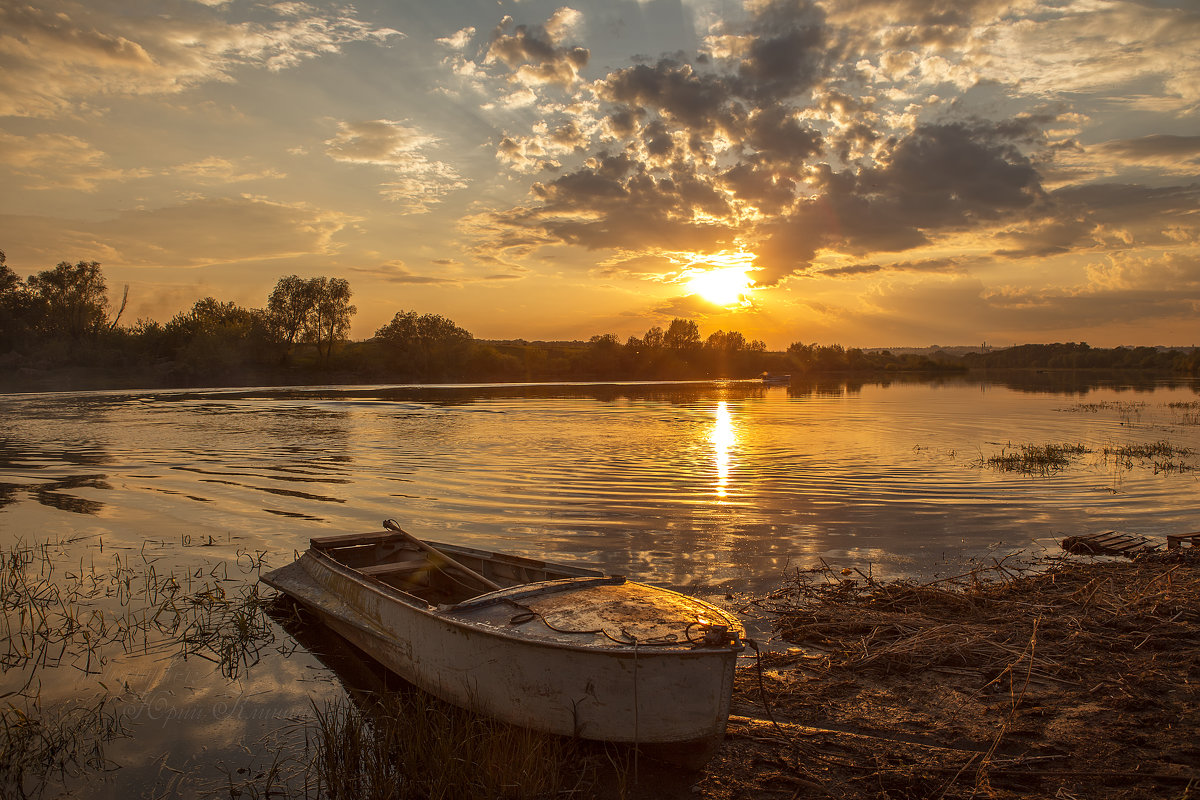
x: 722, y: 287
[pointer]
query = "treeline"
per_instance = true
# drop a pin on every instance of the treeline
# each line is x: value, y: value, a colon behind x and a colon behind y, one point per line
x: 60, y: 321
x: 1078, y: 355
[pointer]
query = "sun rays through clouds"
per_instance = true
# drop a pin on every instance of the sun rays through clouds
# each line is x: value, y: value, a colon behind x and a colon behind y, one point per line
x: 875, y: 171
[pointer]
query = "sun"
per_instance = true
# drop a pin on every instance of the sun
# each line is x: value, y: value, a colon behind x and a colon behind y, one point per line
x: 722, y: 287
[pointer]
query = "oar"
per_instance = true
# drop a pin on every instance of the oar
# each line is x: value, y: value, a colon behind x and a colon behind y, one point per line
x: 391, y: 525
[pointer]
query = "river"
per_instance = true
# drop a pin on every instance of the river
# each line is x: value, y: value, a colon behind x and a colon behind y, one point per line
x: 719, y: 489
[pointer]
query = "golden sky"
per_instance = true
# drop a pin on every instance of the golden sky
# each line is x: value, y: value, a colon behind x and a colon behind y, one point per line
x: 867, y: 172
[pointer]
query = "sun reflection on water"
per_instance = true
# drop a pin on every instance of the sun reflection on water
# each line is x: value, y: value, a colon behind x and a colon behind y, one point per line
x: 723, y: 438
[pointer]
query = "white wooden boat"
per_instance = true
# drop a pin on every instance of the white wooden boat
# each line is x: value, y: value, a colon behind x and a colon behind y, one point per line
x: 556, y: 648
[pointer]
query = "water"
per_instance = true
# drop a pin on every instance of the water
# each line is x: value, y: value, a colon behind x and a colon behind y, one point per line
x: 703, y: 486
x: 718, y: 489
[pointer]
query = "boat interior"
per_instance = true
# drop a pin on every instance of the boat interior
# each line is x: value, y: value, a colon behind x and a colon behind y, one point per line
x: 392, y: 557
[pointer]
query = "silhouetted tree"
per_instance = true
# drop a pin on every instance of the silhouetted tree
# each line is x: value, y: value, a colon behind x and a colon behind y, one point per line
x: 329, y: 321
x: 289, y: 308
x: 15, y: 308
x: 682, y: 334
x: 213, y: 335
x: 425, y: 345
x: 71, y: 300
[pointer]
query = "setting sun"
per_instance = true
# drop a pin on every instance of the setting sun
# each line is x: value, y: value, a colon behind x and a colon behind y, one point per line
x: 722, y: 287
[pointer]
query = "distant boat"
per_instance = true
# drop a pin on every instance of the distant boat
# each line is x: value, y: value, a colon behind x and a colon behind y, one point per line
x: 776, y: 377
x: 555, y: 648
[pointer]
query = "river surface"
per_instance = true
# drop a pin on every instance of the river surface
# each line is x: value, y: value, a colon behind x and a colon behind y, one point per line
x: 718, y: 489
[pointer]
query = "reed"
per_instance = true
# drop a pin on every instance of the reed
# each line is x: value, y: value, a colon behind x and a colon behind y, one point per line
x: 1036, y: 459
x: 38, y: 747
x: 81, y: 615
x: 407, y: 744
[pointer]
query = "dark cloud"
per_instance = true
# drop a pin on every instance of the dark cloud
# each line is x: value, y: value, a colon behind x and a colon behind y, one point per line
x: 940, y: 177
x: 614, y: 202
x: 1154, y: 149
x: 923, y: 265
x: 534, y: 54
x: 763, y: 188
x: 787, y: 53
x: 698, y: 102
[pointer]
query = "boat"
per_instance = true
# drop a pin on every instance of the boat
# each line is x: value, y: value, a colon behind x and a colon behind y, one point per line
x: 556, y: 648
x: 776, y: 377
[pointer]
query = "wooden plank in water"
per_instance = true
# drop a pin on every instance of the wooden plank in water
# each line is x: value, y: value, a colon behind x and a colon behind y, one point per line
x: 1109, y: 543
x: 1176, y: 541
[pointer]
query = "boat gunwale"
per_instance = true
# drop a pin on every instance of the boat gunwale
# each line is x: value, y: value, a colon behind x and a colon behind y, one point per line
x: 637, y: 650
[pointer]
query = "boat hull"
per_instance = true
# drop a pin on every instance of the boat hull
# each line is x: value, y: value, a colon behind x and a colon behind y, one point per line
x: 641, y: 694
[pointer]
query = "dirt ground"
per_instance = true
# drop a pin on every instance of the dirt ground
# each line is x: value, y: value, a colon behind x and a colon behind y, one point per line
x: 1075, y: 678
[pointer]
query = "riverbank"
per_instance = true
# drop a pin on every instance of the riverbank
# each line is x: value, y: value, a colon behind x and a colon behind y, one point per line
x: 1074, y: 679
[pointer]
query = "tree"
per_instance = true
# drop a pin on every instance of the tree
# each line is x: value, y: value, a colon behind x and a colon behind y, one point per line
x: 72, y: 299
x: 730, y: 342
x: 289, y: 307
x: 15, y: 307
x: 682, y: 334
x: 329, y: 321
x: 214, y: 335
x: 426, y: 344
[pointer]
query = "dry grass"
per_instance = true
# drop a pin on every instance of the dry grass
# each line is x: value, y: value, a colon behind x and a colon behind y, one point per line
x: 1071, y: 680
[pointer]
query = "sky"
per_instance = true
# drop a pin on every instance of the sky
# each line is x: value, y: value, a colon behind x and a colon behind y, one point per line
x: 862, y: 172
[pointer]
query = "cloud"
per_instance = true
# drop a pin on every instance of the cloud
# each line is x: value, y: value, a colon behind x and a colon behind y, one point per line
x: 219, y: 171
x: 613, y: 202
x: 534, y: 53
x: 418, y: 182
x: 1170, y: 154
x: 397, y: 272
x: 539, y: 150
x: 382, y: 142
x: 196, y: 233
x: 926, y: 265
x: 60, y: 161
x: 459, y: 40
x: 63, y: 56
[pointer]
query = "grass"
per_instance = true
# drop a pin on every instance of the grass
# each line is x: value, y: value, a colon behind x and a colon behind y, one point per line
x: 1034, y: 459
x: 1162, y: 456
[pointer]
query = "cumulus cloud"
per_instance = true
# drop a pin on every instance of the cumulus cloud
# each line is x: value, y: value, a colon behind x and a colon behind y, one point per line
x: 417, y: 182
x: 64, y: 56
x: 458, y: 40
x: 868, y: 139
x: 535, y: 54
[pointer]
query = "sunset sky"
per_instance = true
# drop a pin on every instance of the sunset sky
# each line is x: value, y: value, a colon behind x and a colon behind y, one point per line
x: 868, y: 172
